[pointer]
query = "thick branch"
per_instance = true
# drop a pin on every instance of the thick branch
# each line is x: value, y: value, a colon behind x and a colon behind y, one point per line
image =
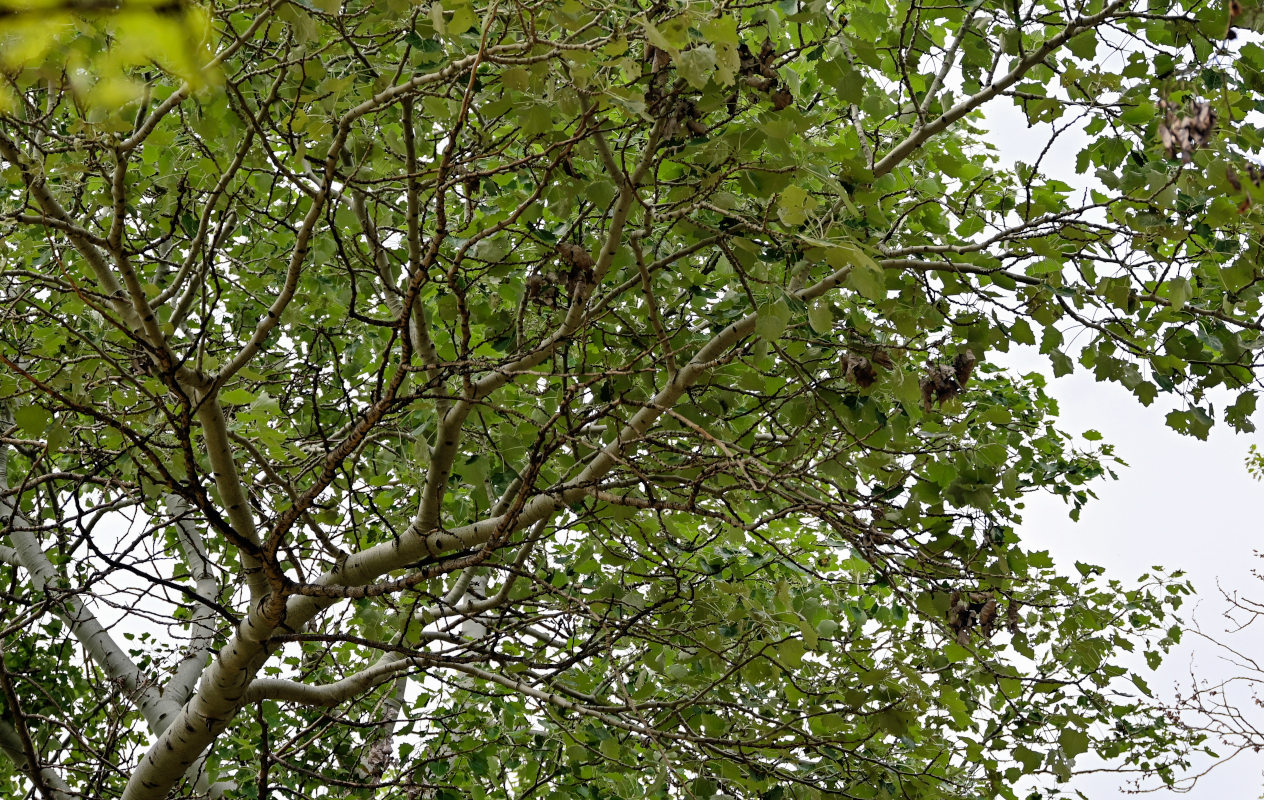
x: 220, y: 696
x: 417, y: 543
x: 331, y: 694
x: 448, y: 437
x: 232, y: 493
x: 920, y: 135
x: 11, y: 745
x: 190, y: 668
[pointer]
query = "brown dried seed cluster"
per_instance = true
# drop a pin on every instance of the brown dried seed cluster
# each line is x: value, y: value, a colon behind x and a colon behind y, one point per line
x: 681, y: 115
x: 543, y: 288
x: 1254, y: 175
x: 946, y: 381
x: 862, y: 370
x: 781, y: 99
x: 756, y: 71
x: 580, y: 263
x: 859, y: 370
x: 967, y: 610
x: 1185, y: 134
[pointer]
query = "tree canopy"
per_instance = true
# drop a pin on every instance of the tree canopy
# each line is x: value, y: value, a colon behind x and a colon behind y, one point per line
x: 594, y: 399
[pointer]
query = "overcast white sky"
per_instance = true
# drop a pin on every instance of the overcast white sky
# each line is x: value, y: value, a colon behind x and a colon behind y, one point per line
x: 1181, y: 503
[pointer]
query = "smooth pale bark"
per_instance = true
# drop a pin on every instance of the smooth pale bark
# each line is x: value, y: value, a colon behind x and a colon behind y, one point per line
x: 27, y: 554
x: 220, y: 453
x: 128, y: 301
x: 96, y: 640
x: 385, y: 668
x: 219, y: 696
x: 181, y: 685
x: 11, y: 746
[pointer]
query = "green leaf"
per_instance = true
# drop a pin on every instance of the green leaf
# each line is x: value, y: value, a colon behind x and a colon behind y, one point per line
x: 601, y: 193
x: 772, y: 320
x: 821, y: 316
x: 866, y: 276
x: 31, y: 419
x: 1084, y: 45
x: 537, y: 119
x: 463, y: 19
x: 1073, y: 741
x: 1195, y: 422
x: 1239, y: 414
x: 793, y: 206
x: 516, y: 79
x: 237, y: 397
x: 1141, y: 684
x: 1030, y: 759
x: 695, y: 65
x: 870, y: 282
x: 671, y: 35
x: 1179, y: 292
x: 847, y: 83
x: 1061, y: 364
x: 1021, y: 332
x: 955, y: 653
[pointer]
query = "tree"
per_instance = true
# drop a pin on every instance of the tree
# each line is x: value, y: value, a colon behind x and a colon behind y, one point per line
x: 498, y: 399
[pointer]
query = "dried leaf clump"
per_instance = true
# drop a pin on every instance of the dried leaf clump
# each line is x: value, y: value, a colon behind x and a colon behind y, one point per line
x: 544, y: 288
x: 946, y: 381
x: 863, y: 370
x: 1185, y: 134
x: 967, y: 610
x: 1254, y: 175
x: 859, y: 370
